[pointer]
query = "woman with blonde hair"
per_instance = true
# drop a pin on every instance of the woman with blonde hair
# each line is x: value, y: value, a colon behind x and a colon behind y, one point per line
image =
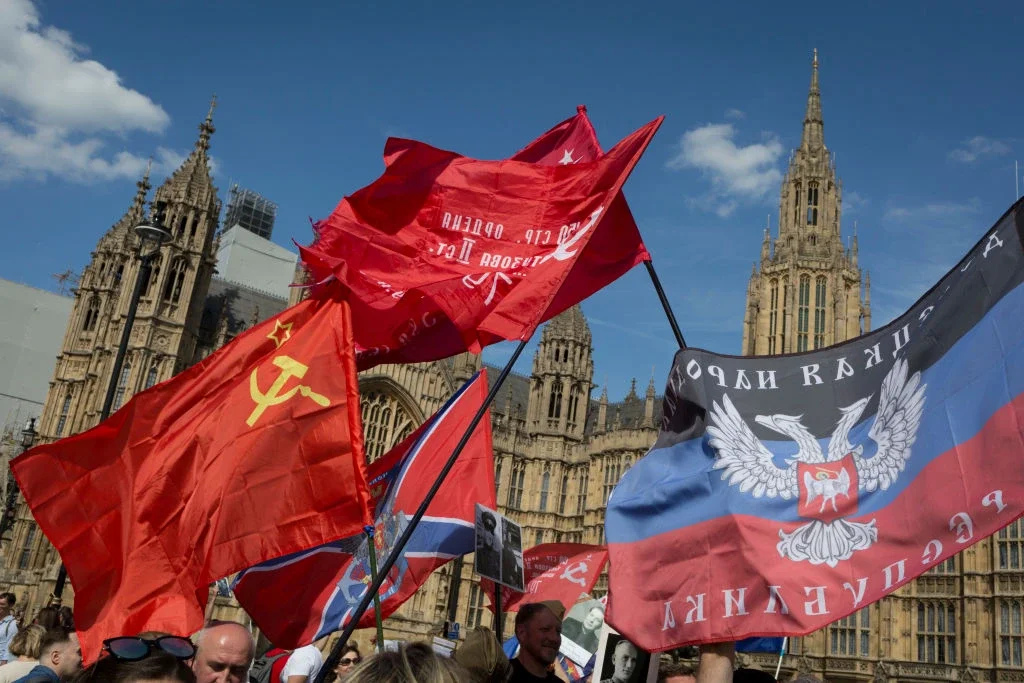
x: 412, y: 663
x: 25, y: 647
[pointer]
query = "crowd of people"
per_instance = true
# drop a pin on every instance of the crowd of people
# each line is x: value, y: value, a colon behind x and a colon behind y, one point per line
x: 47, y: 651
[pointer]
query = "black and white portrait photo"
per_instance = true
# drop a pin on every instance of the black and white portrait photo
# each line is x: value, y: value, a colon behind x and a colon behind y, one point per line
x: 620, y: 661
x: 499, y: 548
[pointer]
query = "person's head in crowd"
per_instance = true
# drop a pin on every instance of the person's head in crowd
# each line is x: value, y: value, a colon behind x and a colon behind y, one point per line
x: 539, y: 631
x: 481, y: 655
x: 350, y: 659
x: 25, y: 646
x: 750, y: 675
x: 676, y: 673
x: 224, y: 653
x: 411, y: 663
x: 48, y: 617
x: 155, y: 667
x: 594, y: 618
x: 67, y: 617
x: 623, y: 660
x: 60, y: 652
x: 7, y: 601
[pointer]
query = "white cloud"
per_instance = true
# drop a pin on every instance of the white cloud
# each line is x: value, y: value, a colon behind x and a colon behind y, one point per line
x: 57, y: 104
x: 735, y: 114
x: 978, y: 147
x: 854, y: 201
x: 932, y: 211
x: 736, y: 173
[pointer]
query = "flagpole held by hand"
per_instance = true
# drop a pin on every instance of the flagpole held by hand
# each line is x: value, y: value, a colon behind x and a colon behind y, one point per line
x: 389, y: 562
x: 376, y: 596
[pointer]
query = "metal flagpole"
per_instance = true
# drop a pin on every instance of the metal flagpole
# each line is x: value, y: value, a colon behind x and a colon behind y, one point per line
x: 389, y: 562
x: 782, y: 653
x: 664, y: 304
x: 373, y: 577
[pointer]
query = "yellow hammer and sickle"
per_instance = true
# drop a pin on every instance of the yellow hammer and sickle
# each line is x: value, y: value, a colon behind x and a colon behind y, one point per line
x: 289, y: 368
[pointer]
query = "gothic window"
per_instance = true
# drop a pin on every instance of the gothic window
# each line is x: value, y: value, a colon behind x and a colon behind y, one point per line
x: 812, y: 203
x: 515, y: 486
x: 91, y: 315
x: 555, y: 402
x: 796, y: 198
x: 581, y: 500
x: 564, y: 494
x: 851, y: 636
x: 545, y: 487
x: 122, y: 385
x: 555, y: 354
x: 26, y: 548
x: 385, y: 423
x: 63, y: 419
x: 154, y: 277
x: 1010, y: 540
x: 476, y: 606
x: 574, y: 403
x: 151, y: 376
x: 785, y: 314
x: 181, y: 226
x: 1011, y: 634
x: 803, y: 312
x: 820, y: 290
x: 773, y: 314
x: 497, y: 474
x: 947, y: 566
x: 936, y: 632
x: 538, y: 537
x: 192, y: 225
x: 175, y: 281
x: 118, y: 275
x: 565, y: 354
x: 612, y: 473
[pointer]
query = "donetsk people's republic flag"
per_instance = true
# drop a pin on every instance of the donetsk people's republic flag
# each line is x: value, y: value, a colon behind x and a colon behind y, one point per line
x: 785, y: 492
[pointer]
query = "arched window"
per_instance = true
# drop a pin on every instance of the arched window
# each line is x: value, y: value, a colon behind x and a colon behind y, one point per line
x: 92, y: 315
x: 936, y: 632
x: 193, y: 223
x: 26, y: 548
x: 65, y: 408
x: 118, y: 275
x: 385, y: 423
x: 773, y: 314
x: 497, y: 474
x: 564, y: 494
x: 180, y: 230
x: 803, y: 313
x: 796, y: 198
x: 581, y: 500
x: 554, y: 353
x: 820, y: 290
x: 175, y: 281
x: 545, y: 487
x: 574, y: 403
x: 1011, y: 633
x: 515, y: 486
x: 122, y: 385
x: 151, y: 376
x: 555, y: 402
x: 565, y: 354
x: 154, y: 279
x: 812, y: 203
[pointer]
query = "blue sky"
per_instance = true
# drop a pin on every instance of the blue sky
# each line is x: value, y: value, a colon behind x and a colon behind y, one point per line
x: 921, y: 103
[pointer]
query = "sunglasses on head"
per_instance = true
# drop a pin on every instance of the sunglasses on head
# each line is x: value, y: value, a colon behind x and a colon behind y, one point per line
x: 132, y: 648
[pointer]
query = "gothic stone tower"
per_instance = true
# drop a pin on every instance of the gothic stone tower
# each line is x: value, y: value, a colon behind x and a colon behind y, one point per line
x: 806, y: 292
x: 163, y: 338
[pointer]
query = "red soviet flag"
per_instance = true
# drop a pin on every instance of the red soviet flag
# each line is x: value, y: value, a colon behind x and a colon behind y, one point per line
x: 444, y: 253
x: 553, y: 571
x: 254, y: 453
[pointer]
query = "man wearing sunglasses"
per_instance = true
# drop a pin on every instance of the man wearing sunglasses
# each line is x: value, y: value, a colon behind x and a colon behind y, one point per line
x: 60, y: 658
x: 224, y: 653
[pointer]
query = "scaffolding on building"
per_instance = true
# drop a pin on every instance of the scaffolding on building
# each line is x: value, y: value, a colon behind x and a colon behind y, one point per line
x: 252, y: 211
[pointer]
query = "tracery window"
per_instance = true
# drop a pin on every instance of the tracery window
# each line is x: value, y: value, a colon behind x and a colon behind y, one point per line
x: 1011, y: 634
x: 63, y: 419
x: 122, y: 385
x: 773, y: 314
x: 555, y: 402
x: 803, y: 312
x: 812, y: 203
x: 1010, y: 541
x: 545, y: 487
x: 936, y: 632
x: 385, y: 423
x: 820, y: 290
x: 851, y: 636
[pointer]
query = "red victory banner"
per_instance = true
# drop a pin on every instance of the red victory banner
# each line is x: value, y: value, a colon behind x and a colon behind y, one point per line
x: 254, y: 453
x: 444, y: 253
x: 554, y: 571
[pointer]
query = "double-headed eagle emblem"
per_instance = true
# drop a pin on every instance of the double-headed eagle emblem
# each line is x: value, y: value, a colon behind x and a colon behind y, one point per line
x: 825, y: 485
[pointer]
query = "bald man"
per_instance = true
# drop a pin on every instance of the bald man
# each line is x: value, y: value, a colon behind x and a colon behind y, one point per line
x: 224, y: 653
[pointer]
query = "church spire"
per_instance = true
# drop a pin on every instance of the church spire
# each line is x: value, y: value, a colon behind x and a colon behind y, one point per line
x: 206, y: 128
x: 814, y: 128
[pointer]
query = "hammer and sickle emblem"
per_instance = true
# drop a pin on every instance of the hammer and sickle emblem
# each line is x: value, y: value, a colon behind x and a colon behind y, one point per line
x: 289, y: 368
x: 575, y: 573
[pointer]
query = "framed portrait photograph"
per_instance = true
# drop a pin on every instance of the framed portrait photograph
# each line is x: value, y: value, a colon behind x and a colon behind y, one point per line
x: 620, y: 661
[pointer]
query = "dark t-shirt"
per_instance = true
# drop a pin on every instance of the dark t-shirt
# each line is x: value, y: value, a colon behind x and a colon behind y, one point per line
x: 521, y: 675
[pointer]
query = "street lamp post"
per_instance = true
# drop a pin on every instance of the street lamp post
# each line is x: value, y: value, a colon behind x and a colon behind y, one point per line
x: 152, y: 236
x: 28, y: 437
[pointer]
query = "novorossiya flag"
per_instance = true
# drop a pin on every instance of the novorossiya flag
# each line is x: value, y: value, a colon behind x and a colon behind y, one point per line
x: 444, y: 253
x: 253, y: 453
x: 323, y: 585
x: 786, y: 492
